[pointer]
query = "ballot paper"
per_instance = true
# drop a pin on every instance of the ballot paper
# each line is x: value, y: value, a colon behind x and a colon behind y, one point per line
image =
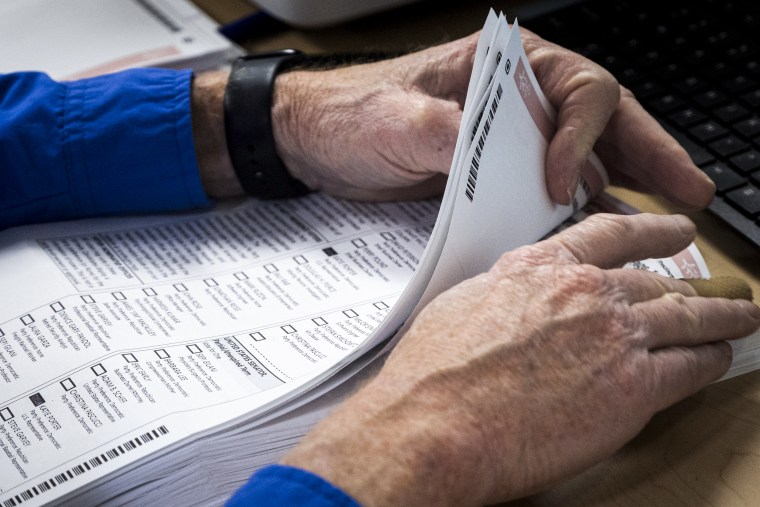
x: 162, y: 359
x: 80, y: 38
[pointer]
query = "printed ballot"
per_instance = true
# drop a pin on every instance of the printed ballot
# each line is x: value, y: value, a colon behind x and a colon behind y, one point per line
x: 163, y: 359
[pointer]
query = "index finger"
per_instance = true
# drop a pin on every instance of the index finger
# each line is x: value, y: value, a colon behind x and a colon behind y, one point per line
x: 637, y: 147
x: 607, y: 240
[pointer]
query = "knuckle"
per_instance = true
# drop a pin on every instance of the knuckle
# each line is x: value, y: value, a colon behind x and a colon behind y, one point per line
x: 687, y: 316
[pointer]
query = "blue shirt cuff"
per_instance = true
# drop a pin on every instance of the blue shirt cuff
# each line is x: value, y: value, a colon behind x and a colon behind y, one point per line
x: 130, y: 143
x: 114, y: 144
x: 284, y: 485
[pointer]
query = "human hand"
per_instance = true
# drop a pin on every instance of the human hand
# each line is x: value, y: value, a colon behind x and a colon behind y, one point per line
x: 378, y: 131
x: 596, y: 113
x: 530, y: 372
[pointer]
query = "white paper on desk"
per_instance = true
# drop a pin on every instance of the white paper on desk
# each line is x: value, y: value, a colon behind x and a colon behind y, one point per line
x: 71, y: 39
x: 153, y: 330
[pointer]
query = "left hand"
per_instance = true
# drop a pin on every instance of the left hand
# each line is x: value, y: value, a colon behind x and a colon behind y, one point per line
x: 377, y: 131
x: 387, y: 130
x: 596, y: 113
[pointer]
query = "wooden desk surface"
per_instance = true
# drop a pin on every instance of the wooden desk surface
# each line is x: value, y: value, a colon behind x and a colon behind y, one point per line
x: 702, y: 451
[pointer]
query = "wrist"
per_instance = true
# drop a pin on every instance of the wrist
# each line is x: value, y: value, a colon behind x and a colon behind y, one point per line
x: 415, y: 443
x: 214, y: 165
x: 298, y: 111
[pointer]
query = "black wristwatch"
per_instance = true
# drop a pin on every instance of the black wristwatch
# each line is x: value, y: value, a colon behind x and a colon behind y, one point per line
x: 248, y: 124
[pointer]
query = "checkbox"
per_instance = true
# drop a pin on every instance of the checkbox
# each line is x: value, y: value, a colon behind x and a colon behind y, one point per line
x: 162, y: 353
x: 180, y: 287
x: 359, y: 243
x: 257, y: 337
x: 210, y: 282
x: 87, y: 299
x: 381, y: 306
x: 319, y: 321
x: 129, y: 357
x: 98, y: 369
x: 6, y: 414
x: 194, y: 349
x: 150, y: 292
x: 300, y: 259
x: 68, y: 384
x: 57, y: 307
x: 288, y: 329
x: 27, y: 319
x: 119, y: 296
x: 350, y: 313
x: 271, y: 268
x: 241, y: 276
x: 37, y: 399
x: 387, y: 236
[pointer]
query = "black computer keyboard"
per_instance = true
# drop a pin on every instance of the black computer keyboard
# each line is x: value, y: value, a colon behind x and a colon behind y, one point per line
x: 693, y: 64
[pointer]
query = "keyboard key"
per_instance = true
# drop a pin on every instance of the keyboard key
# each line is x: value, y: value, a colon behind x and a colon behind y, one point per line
x: 723, y: 177
x: 739, y: 84
x: 746, y: 199
x: 752, y: 98
x: 647, y: 89
x: 708, y: 131
x: 741, y: 52
x: 689, y: 85
x: 629, y: 75
x: 753, y: 67
x: 710, y: 99
x: 731, y: 113
x: 671, y: 71
x: 749, y: 127
x: 729, y: 145
x: 687, y: 117
x: 666, y: 103
x: 747, y: 162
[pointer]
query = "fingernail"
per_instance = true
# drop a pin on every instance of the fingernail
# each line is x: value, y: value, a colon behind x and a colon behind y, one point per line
x: 573, y: 186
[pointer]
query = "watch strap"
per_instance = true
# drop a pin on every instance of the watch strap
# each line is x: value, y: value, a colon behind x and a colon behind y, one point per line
x: 248, y: 125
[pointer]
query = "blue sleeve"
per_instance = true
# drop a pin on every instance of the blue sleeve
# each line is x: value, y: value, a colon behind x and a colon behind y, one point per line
x: 278, y: 485
x: 114, y: 144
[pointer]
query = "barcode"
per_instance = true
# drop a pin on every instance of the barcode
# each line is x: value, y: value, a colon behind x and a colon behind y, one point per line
x: 472, y: 178
x: 85, y: 467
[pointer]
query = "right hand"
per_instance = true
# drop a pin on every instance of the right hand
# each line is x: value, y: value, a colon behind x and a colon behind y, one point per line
x: 531, y: 372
